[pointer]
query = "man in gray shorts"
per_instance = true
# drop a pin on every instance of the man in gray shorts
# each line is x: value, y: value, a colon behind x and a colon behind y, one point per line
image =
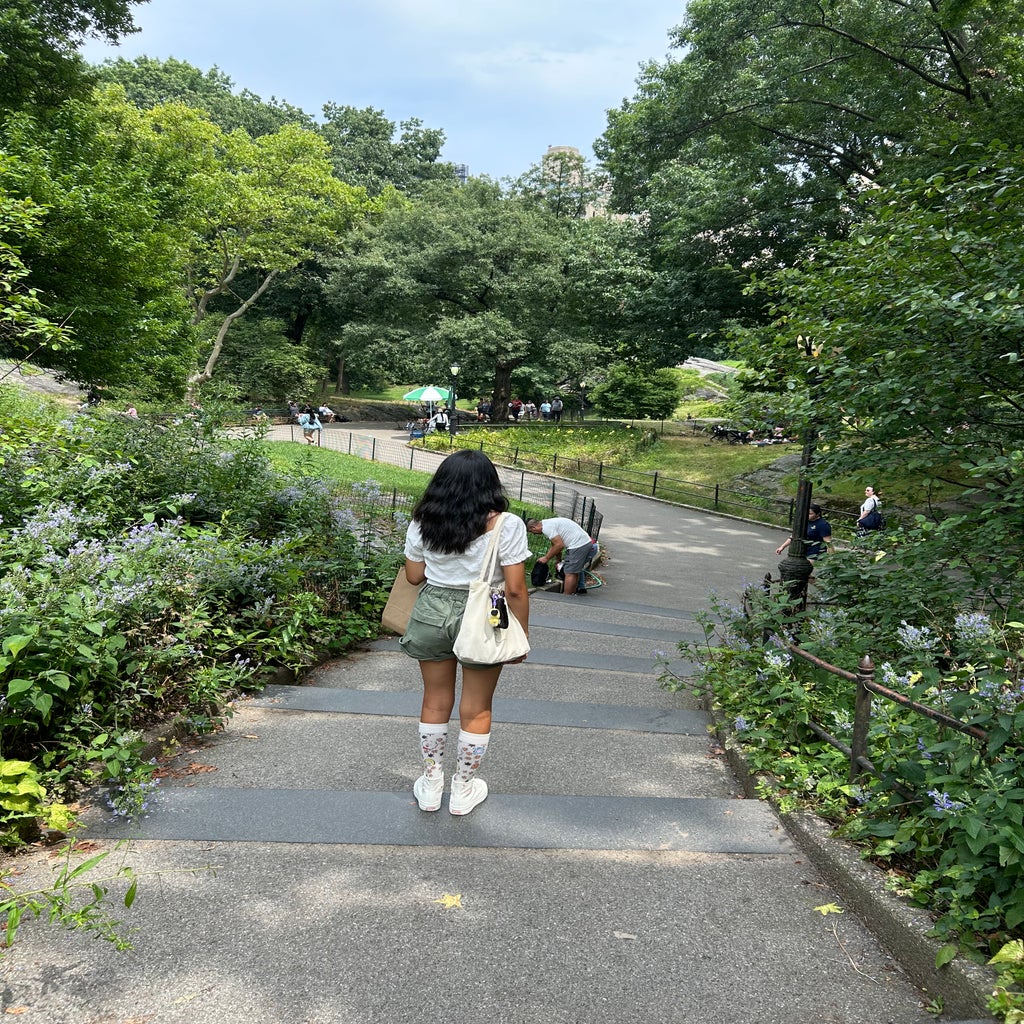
x: 572, y: 541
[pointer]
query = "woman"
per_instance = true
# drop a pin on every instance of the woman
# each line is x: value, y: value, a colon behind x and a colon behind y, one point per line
x: 445, y: 547
x: 310, y: 423
x: 870, y: 516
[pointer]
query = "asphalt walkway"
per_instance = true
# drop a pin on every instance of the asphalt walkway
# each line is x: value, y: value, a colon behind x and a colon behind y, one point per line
x: 614, y: 874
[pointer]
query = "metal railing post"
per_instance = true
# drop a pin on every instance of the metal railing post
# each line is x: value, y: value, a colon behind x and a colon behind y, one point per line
x: 861, y: 717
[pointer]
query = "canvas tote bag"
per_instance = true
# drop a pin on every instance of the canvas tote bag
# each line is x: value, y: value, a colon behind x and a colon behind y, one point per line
x: 399, y: 607
x: 479, y: 642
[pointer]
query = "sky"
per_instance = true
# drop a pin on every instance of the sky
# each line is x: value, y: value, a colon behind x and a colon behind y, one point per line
x: 504, y: 79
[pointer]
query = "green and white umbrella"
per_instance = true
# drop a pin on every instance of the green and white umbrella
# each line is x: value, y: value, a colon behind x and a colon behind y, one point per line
x: 428, y: 394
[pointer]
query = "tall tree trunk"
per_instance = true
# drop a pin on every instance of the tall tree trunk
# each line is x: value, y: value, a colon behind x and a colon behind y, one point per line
x: 344, y: 388
x: 502, y: 392
x: 294, y: 330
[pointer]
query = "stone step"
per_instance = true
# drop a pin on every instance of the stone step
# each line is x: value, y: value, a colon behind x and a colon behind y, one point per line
x: 507, y: 821
x: 387, y: 669
x: 611, y: 628
x: 268, y: 748
x: 573, y: 714
x: 584, y: 657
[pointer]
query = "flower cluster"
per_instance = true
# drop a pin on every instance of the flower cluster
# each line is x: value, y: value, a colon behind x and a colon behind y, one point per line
x: 944, y: 804
x: 971, y: 628
x: 916, y: 638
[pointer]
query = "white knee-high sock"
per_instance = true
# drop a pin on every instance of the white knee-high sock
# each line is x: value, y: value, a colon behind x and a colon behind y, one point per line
x: 432, y: 740
x: 472, y: 747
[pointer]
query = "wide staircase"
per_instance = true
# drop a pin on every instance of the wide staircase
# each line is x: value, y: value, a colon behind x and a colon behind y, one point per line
x: 615, y: 873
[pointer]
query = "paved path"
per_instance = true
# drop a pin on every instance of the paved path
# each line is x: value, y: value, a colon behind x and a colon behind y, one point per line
x: 615, y: 873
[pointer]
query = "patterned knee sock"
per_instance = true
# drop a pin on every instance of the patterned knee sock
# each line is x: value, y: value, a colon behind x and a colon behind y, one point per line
x: 432, y: 739
x: 472, y: 747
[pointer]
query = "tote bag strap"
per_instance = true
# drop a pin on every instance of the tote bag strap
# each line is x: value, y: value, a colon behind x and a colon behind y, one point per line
x: 491, y: 556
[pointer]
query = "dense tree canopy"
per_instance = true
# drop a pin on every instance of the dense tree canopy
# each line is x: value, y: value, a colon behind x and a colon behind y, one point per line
x: 40, y: 65
x: 149, y: 83
x: 109, y: 254
x: 777, y: 118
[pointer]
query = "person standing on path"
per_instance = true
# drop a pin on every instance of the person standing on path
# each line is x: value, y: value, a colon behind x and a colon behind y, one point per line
x: 818, y: 534
x: 870, y: 517
x: 445, y: 546
x: 570, y: 538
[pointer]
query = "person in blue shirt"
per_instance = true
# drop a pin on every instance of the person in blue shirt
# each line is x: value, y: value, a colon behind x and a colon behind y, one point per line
x: 818, y: 534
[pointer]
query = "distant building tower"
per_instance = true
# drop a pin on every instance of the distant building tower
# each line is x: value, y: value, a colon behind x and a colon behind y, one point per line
x: 462, y: 173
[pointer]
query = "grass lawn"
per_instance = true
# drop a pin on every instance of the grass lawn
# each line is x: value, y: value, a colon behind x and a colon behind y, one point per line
x: 346, y: 470
x: 694, y: 457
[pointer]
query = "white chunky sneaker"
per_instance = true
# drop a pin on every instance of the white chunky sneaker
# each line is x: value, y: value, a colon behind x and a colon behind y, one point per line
x: 466, y: 795
x: 428, y: 792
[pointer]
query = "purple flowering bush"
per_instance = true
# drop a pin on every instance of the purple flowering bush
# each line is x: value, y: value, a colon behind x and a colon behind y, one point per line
x: 944, y: 811
x: 150, y: 571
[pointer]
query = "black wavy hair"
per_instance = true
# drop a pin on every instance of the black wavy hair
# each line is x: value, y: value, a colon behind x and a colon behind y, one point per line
x: 460, y: 496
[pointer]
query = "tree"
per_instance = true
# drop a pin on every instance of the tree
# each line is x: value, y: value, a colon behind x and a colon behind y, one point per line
x: 25, y: 330
x: 111, y: 244
x: 365, y: 151
x: 150, y: 83
x: 563, y: 185
x: 778, y: 118
x: 461, y: 274
x: 916, y: 323
x: 638, y: 392
x: 269, y: 204
x: 39, y: 62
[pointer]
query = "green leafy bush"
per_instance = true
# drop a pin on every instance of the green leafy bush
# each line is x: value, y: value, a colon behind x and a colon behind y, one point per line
x: 151, y: 570
x: 945, y: 811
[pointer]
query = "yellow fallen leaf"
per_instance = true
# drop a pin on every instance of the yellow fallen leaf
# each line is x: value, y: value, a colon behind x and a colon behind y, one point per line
x: 449, y: 900
x: 13, y: 1010
x: 829, y: 908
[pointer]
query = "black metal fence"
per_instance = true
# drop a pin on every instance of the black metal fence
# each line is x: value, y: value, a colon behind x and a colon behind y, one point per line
x: 864, y: 687
x: 521, y: 487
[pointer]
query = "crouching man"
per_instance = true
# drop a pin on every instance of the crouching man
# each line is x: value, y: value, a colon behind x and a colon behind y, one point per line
x: 571, y: 541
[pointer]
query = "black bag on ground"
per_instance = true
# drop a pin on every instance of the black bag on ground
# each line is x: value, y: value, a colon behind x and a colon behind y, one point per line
x: 539, y: 574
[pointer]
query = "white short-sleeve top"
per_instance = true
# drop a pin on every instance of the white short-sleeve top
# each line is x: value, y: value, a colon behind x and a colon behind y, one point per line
x: 459, y: 570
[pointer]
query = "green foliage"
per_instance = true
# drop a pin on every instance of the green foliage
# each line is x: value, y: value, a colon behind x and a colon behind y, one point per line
x: 109, y: 251
x: 916, y: 351
x: 149, y: 570
x: 23, y: 803
x: 39, y: 62
x: 1008, y: 998
x: 635, y: 392
x: 617, y: 445
x: 150, y: 83
x: 25, y: 328
x: 365, y: 151
x: 956, y: 839
x: 76, y: 900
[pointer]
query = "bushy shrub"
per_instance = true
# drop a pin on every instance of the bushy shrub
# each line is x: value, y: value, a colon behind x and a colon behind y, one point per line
x: 152, y: 569
x: 943, y: 810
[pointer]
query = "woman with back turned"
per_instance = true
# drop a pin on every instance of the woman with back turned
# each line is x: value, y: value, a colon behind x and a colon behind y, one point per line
x: 445, y: 547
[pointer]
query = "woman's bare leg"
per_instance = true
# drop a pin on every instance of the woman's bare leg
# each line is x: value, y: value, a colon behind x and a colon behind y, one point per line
x: 438, y: 690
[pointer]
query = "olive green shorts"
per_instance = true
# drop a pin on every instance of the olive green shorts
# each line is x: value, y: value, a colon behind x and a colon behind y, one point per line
x: 434, y: 623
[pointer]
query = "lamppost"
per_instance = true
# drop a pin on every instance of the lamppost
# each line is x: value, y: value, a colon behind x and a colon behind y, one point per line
x: 795, y: 569
x: 453, y: 418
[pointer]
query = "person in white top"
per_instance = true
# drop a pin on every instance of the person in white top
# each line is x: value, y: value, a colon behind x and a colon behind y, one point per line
x: 870, y: 515
x: 445, y: 546
x: 568, y: 537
